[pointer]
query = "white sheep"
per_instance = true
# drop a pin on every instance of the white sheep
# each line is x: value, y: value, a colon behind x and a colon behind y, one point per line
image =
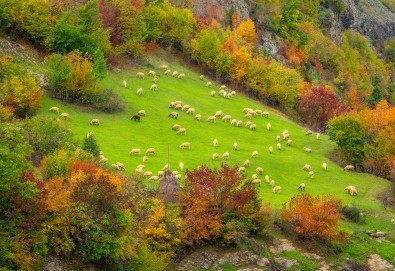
x: 226, y: 118
x: 258, y: 112
x: 352, y: 190
x: 139, y: 91
x: 248, y: 116
x: 239, y: 123
x: 141, y: 166
x: 185, y: 145
x: 225, y: 155
x: 279, y: 146
x: 302, y: 187
x: 125, y: 84
x: 54, y: 109
x: 248, y: 124
x: 241, y: 169
x: 103, y: 160
x: 135, y: 151
x: 278, y: 138
x: 270, y: 149
x: 209, y: 84
x: 246, y: 163
x: 163, y: 67
x: 309, y: 132
x: 324, y: 166
x: 165, y: 167
x: 212, y: 94
x: 152, y: 73
x: 233, y: 122
x: 228, y: 95
x: 181, y: 166
x: 115, y: 166
x: 254, y: 154
x: 140, y: 75
x: 318, y: 136
x: 289, y: 142
x: 349, y: 168
x: 120, y: 166
x: 177, y: 106
x: 174, y: 74
x: 235, y: 146
x: 150, y: 151
x: 268, y: 126
x: 148, y: 174
x: 211, y: 119
x: 178, y: 176
x: 256, y: 181
x: 253, y: 127
x: 307, y: 167
x: 155, y: 80
x: 218, y: 114
x: 259, y: 170
x: 191, y: 111
x: 145, y: 159
x: 307, y: 149
x: 215, y: 142
x: 277, y: 189
x: 222, y: 87
x: 272, y: 182
x: 201, y: 77
x: 154, y: 178
x: 154, y: 87
x: 182, y: 131
x: 161, y: 173
x: 254, y: 176
x: 175, y: 172
x: 94, y: 122
x: 198, y: 117
x: 215, y: 156
x: 311, y: 174
x: 64, y: 116
x: 141, y: 112
x: 265, y: 114
x: 139, y: 171
x: 232, y: 93
x: 185, y: 107
x: 267, y: 178
x: 176, y: 127
x: 167, y: 72
x: 181, y: 76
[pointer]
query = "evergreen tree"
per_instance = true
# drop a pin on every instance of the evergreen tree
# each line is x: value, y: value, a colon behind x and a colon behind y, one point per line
x: 90, y: 145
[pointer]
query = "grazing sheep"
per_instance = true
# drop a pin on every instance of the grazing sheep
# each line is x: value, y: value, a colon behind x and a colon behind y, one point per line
x: 324, y: 166
x: 103, y: 160
x: 185, y: 107
x: 258, y: 112
x: 232, y: 93
x: 248, y: 116
x: 226, y: 118
x: 155, y: 80
x: 173, y: 115
x: 270, y: 149
x: 233, y: 122
x: 278, y: 138
x: 309, y: 132
x: 167, y: 72
x: 198, y: 117
x: 256, y: 181
x: 225, y: 155
x: 246, y: 163
x: 222, y: 87
x: 215, y: 142
x: 175, y: 172
x: 145, y: 159
x: 185, y: 145
x: 125, y: 84
x: 221, y: 92
x: 135, y: 118
x: 201, y: 77
x: 235, y: 146
x: 302, y: 187
x: 307, y: 167
x: 178, y: 176
x: 318, y: 136
x: 115, y: 166
x: 148, y: 174
x: 349, y: 168
x: 154, y: 87
x: 255, y: 176
x: 139, y: 171
x: 277, y: 189
x: 307, y: 149
x: 259, y: 170
x: 139, y: 91
x: 141, y: 113
x: 163, y: 67
x: 211, y: 119
x: 248, y: 124
x: 135, y: 151
x: 150, y: 151
x: 181, y: 166
x: 64, y: 116
x: 141, y: 166
x: 120, y: 166
x: 254, y: 154
x: 165, y: 167
x: 253, y: 127
x: 174, y: 74
x: 212, y: 94
x: 161, y: 173
x: 279, y: 146
x: 209, y: 84
x: 239, y: 123
x: 182, y: 131
x: 267, y: 178
x: 265, y: 114
x: 181, y: 76
x: 191, y: 111
x: 285, y: 136
x: 228, y: 95
x: 241, y: 169
x: 311, y: 174
x: 94, y: 122
x: 218, y: 114
x: 215, y: 156
x: 140, y: 75
x: 154, y: 178
x: 178, y: 107
x: 268, y: 126
x: 54, y: 109
x: 152, y: 73
x: 352, y: 190
x: 176, y: 127
x: 289, y: 142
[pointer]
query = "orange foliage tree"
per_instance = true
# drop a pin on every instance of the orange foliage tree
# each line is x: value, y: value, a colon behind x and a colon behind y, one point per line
x: 314, y: 217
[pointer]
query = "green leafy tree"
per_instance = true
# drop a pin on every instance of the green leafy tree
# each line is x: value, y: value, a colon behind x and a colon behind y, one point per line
x: 90, y: 145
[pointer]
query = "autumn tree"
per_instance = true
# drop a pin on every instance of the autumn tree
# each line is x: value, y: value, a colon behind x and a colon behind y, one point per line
x: 211, y: 198
x: 246, y: 30
x: 314, y: 217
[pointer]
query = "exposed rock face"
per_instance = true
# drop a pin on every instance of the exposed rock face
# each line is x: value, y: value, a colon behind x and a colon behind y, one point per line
x: 377, y: 264
x: 218, y: 9
x: 370, y: 18
x: 281, y: 245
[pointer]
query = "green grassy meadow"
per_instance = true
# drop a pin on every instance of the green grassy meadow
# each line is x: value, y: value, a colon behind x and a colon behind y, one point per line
x: 117, y: 135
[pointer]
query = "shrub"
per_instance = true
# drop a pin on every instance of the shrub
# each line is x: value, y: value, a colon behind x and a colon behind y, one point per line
x: 90, y: 145
x: 353, y: 214
x: 314, y: 217
x: 108, y: 101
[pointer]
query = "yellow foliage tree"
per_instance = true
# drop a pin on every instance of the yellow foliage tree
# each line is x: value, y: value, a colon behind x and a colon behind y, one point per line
x: 240, y: 59
x: 246, y: 30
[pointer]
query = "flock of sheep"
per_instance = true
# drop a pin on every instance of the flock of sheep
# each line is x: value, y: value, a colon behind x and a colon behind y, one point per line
x: 249, y: 114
